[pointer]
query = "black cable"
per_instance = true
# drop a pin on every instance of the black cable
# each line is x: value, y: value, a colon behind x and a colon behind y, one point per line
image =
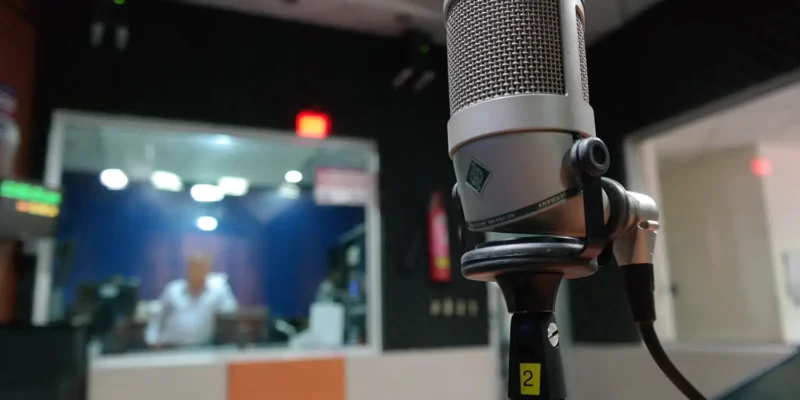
x: 650, y: 339
x: 640, y: 285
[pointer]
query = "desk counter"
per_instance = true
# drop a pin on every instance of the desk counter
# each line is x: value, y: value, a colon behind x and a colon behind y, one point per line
x: 287, y: 374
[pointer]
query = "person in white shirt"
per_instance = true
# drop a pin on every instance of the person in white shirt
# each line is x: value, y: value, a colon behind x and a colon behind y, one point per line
x: 329, y: 289
x: 189, y: 307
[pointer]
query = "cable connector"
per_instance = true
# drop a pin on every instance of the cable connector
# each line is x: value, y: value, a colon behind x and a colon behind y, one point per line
x: 640, y: 286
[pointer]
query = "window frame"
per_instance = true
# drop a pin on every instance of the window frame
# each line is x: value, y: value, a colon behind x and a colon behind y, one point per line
x: 44, y: 248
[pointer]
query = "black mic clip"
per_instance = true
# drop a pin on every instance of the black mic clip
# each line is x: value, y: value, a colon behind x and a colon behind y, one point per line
x: 590, y: 159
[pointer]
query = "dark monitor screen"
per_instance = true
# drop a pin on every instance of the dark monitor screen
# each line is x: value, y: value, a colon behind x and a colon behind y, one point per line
x: 106, y: 303
x: 781, y: 382
x: 122, y: 296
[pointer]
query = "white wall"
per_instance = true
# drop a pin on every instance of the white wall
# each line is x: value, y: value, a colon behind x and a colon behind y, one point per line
x: 782, y: 195
x: 719, y: 249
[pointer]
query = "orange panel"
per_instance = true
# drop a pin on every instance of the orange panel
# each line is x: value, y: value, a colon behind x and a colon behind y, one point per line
x: 288, y: 380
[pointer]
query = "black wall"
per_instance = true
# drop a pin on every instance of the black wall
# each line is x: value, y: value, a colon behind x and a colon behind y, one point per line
x: 206, y: 65
x: 199, y: 64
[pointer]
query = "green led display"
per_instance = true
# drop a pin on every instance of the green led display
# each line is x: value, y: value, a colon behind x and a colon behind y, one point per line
x: 29, y: 192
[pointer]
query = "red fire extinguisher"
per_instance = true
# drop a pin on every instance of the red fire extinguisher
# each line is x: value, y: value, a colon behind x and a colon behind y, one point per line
x: 438, y: 240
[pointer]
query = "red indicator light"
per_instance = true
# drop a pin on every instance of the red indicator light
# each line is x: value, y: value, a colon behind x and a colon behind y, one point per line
x: 312, y: 125
x: 761, y: 167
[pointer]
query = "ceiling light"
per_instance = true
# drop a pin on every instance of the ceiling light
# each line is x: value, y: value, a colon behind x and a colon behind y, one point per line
x: 289, y: 191
x: 223, y: 140
x: 293, y: 176
x: 207, y: 193
x: 114, y: 179
x: 164, y: 180
x: 234, y: 186
x: 207, y: 224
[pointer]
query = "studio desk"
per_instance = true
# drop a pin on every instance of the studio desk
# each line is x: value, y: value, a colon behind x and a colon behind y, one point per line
x: 262, y: 373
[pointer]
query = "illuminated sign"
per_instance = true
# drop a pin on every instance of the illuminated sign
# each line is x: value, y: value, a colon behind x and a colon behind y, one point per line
x: 28, y: 210
x: 27, y: 192
x: 38, y: 209
x: 31, y: 199
x: 761, y: 167
x: 312, y: 125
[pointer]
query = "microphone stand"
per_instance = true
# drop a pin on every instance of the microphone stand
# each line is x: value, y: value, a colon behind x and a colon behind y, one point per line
x: 529, y: 272
x: 535, y: 366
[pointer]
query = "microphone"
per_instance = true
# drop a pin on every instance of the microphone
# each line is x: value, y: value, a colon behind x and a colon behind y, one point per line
x: 527, y: 161
x: 519, y: 98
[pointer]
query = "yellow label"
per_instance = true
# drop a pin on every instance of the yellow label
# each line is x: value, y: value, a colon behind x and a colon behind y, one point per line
x: 443, y: 262
x: 39, y: 209
x: 530, y: 379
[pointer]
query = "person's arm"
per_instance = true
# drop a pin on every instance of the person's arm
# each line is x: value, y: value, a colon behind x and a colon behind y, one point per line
x: 228, y: 301
x: 154, y: 334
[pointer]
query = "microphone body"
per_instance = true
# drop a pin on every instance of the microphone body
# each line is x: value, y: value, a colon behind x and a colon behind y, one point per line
x: 522, y: 139
x: 519, y: 99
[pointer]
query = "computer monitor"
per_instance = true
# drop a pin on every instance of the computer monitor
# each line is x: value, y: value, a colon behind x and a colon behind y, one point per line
x: 781, y: 382
x: 106, y: 303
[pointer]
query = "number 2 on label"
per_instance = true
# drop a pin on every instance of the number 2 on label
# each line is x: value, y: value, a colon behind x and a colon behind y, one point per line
x: 530, y: 379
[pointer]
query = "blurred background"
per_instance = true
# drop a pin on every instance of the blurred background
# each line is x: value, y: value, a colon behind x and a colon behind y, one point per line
x: 231, y: 200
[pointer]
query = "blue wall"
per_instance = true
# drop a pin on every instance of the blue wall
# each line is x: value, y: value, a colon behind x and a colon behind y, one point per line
x: 274, y: 249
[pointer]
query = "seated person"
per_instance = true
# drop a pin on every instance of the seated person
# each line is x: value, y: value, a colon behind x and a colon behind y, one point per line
x: 330, y: 289
x: 327, y: 315
x: 189, y: 307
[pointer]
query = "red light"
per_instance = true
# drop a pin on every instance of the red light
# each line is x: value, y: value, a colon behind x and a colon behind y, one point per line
x: 761, y: 167
x: 312, y: 125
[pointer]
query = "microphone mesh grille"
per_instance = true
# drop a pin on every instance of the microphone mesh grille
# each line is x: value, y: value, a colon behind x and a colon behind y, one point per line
x: 584, y: 66
x: 503, y: 48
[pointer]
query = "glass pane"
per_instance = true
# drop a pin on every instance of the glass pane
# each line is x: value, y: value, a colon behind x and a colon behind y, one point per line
x: 179, y: 240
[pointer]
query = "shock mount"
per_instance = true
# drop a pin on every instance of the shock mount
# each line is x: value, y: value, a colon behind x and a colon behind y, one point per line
x: 529, y: 271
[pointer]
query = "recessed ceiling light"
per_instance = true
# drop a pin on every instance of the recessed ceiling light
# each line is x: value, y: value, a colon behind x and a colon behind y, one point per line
x: 207, y: 224
x: 233, y: 186
x: 114, y: 179
x: 293, y: 176
x: 165, y: 180
x: 223, y: 140
x: 207, y: 193
x: 289, y: 191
